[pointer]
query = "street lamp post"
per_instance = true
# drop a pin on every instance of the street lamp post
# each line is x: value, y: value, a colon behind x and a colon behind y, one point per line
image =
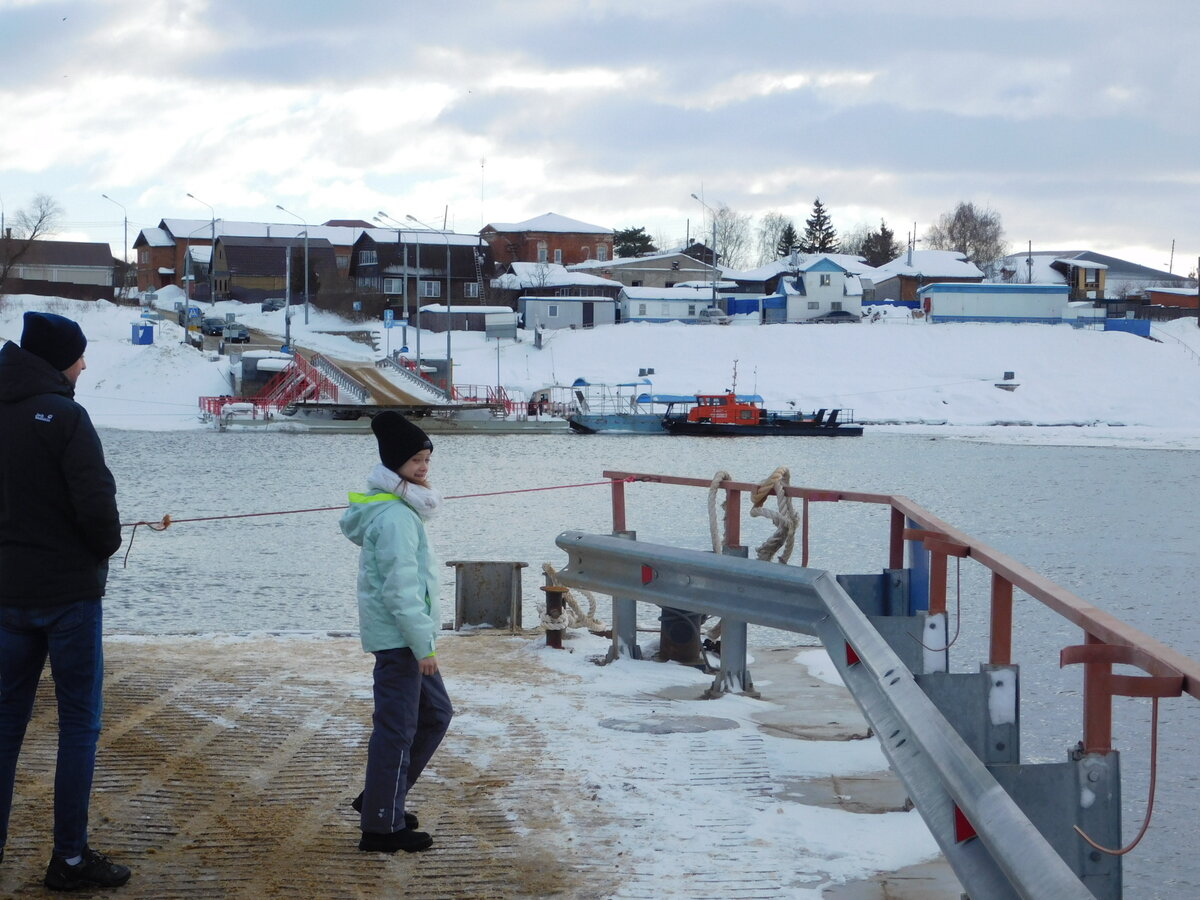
x: 418, y: 301
x: 212, y: 295
x: 125, y: 246
x: 449, y: 315
x: 714, y: 246
x: 305, y: 224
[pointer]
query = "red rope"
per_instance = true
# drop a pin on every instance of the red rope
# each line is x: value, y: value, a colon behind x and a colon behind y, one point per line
x: 166, y: 521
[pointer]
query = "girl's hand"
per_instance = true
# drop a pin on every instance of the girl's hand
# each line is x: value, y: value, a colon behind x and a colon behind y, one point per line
x: 428, y: 665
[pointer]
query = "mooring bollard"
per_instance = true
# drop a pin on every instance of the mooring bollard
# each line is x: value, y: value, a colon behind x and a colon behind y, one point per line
x: 555, y: 619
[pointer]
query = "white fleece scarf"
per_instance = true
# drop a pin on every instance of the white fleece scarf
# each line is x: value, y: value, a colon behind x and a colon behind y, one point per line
x: 424, y: 500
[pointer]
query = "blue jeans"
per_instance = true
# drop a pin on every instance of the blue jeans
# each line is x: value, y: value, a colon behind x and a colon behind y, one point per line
x: 70, y: 635
x: 412, y: 713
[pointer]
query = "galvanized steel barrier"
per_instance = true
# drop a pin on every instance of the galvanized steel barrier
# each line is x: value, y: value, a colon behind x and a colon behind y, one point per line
x: 1007, y: 828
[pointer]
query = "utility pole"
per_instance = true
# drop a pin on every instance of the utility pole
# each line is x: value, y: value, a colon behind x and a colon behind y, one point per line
x: 124, y: 246
x: 305, y: 224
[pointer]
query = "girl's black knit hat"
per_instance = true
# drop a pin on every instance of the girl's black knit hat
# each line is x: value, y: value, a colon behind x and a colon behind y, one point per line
x: 399, y: 439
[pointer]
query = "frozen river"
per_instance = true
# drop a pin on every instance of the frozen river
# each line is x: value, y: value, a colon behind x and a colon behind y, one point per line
x: 1116, y: 526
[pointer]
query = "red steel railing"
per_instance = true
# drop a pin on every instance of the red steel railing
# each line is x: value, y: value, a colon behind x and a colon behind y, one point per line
x: 1107, y: 641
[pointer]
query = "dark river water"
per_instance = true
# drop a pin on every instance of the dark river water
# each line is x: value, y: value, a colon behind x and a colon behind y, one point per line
x: 1118, y: 527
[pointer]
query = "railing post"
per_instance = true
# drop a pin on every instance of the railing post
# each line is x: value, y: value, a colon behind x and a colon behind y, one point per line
x: 1097, y: 704
x: 618, y: 506
x: 734, y: 676
x: 733, y: 519
x: 896, y: 541
x: 624, y: 609
x: 918, y: 564
x: 1000, y: 649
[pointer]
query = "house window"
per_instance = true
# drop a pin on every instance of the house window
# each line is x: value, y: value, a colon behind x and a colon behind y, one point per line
x: 826, y: 279
x: 144, y: 255
x: 691, y: 309
x: 669, y: 284
x: 367, y: 258
x: 813, y: 304
x: 602, y: 252
x: 635, y: 284
x: 431, y: 289
x: 586, y: 253
x: 558, y: 257
x: 552, y: 311
x: 471, y: 290
x: 543, y: 252
x: 641, y: 309
x: 836, y: 304
x: 393, y: 285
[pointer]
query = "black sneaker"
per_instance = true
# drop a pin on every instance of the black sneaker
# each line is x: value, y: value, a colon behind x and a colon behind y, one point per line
x: 94, y: 870
x: 410, y: 819
x: 407, y: 840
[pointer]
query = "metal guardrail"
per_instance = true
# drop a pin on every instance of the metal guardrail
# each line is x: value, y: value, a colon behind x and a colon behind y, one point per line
x: 344, y: 382
x: 412, y: 378
x: 942, y: 774
x: 986, y: 793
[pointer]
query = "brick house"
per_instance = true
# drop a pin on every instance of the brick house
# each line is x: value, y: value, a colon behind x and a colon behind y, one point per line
x: 549, y: 239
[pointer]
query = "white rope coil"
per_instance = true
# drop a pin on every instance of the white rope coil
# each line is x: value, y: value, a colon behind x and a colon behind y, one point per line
x: 784, y: 517
x: 572, y: 615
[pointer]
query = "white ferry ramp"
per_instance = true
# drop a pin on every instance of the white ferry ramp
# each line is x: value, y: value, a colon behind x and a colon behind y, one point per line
x: 227, y: 765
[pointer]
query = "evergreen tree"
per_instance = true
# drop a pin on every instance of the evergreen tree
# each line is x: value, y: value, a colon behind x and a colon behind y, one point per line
x: 819, y: 233
x: 788, y: 241
x: 880, y: 246
x: 632, y: 242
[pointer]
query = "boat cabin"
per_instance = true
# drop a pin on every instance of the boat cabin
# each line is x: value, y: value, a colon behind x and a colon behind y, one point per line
x: 726, y: 409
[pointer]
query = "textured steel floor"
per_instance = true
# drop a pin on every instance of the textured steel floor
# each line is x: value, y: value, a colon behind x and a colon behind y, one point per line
x: 226, y: 769
x: 227, y: 766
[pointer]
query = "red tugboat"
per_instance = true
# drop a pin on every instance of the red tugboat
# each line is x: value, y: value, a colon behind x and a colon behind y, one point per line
x: 727, y: 415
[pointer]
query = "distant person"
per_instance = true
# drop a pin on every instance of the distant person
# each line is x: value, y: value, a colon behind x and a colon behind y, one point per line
x: 398, y: 622
x: 58, y: 527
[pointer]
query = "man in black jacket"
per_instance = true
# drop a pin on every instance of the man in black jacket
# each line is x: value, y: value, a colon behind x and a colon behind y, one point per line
x: 58, y: 527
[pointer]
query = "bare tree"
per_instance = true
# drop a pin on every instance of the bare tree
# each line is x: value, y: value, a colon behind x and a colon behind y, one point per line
x: 975, y: 232
x: 856, y: 238
x: 733, y: 237
x: 37, y: 220
x: 771, y: 228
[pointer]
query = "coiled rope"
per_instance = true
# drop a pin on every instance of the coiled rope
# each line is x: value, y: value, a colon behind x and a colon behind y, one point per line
x: 573, y: 615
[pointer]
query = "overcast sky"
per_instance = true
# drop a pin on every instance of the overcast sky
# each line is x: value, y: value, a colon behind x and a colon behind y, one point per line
x: 1077, y: 120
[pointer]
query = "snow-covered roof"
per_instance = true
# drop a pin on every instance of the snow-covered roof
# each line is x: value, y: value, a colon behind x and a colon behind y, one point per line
x: 1182, y: 292
x: 550, y: 222
x: 633, y: 261
x: 461, y: 308
x: 703, y: 285
x: 688, y: 294
x: 156, y: 237
x: 855, y: 265
x: 928, y: 264
x: 419, y: 236
x: 538, y: 275
x: 202, y: 228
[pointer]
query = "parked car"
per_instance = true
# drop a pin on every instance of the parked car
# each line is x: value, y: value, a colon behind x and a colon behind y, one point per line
x: 236, y: 334
x: 213, y: 325
x: 271, y: 304
x: 833, y: 317
x: 713, y: 315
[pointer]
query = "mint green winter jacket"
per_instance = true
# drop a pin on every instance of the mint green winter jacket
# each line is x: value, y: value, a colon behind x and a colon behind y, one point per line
x: 397, y: 574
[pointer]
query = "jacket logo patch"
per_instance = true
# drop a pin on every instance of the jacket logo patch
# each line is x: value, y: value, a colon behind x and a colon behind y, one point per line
x: 44, y: 417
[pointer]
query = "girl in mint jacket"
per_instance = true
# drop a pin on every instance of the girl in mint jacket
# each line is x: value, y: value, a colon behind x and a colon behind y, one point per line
x: 398, y: 622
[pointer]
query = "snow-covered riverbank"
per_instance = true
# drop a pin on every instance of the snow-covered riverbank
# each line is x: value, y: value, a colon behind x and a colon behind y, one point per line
x: 1074, y: 385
